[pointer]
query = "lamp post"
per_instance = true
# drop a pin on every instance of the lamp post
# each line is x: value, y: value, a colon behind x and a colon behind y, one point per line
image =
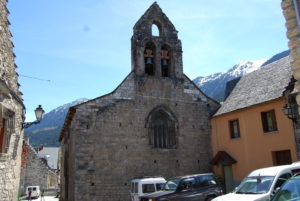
x: 290, y: 110
x: 39, y: 113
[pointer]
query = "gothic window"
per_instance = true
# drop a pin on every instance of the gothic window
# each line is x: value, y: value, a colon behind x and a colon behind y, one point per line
x: 149, y: 58
x: 165, y: 61
x: 162, y: 131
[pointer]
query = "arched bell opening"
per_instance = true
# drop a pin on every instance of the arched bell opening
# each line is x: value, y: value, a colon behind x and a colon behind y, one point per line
x: 149, y: 59
x: 156, y: 29
x: 165, y: 61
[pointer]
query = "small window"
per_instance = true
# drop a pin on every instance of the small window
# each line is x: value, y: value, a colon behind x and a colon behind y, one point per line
x: 282, y: 157
x: 207, y: 180
x: 269, y: 121
x: 155, y: 30
x: 234, y: 129
x: 136, y: 187
x: 159, y: 186
x: 132, y: 187
x: 188, y: 183
x: 148, y: 188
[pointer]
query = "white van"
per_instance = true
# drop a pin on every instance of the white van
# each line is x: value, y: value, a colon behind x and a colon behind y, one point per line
x: 145, y: 185
x: 35, y: 191
x: 260, y: 184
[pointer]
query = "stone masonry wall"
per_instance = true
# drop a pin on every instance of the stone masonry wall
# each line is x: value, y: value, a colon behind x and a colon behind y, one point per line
x: 35, y: 173
x: 10, y: 160
x: 293, y: 34
x: 112, y: 142
x: 7, y: 56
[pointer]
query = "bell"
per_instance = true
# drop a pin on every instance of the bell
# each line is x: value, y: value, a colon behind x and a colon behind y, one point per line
x: 149, y: 60
x: 164, y: 62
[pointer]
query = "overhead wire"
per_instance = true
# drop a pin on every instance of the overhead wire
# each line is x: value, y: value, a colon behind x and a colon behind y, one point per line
x: 36, y: 78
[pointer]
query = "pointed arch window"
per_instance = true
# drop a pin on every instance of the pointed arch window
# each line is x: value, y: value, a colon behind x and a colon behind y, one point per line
x: 162, y: 130
x: 165, y: 61
x: 149, y: 59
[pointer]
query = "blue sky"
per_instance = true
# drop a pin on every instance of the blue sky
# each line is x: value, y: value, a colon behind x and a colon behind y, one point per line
x: 83, y: 46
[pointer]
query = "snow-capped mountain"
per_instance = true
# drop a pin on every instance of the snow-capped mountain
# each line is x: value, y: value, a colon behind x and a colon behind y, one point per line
x: 214, y: 85
x: 48, y: 130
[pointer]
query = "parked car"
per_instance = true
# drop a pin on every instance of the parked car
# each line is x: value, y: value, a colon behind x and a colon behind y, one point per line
x: 145, y: 185
x: 289, y: 191
x: 261, y: 184
x: 200, y: 187
x: 35, y: 191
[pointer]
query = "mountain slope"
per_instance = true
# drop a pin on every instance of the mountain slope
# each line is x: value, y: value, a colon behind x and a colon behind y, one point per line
x: 48, y: 130
x: 214, y: 85
x: 277, y: 57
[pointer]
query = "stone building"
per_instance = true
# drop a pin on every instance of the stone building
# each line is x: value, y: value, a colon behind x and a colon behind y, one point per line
x: 156, y: 122
x: 291, y: 12
x: 11, y: 114
x: 36, y: 170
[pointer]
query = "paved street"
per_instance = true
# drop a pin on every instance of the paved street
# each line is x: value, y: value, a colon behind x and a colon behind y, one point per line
x: 46, y: 198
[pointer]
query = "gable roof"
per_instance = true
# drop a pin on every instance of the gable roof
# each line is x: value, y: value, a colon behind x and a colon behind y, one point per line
x: 263, y: 85
x: 153, y: 13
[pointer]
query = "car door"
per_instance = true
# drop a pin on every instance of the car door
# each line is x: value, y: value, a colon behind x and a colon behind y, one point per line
x: 206, y: 188
x: 186, y: 190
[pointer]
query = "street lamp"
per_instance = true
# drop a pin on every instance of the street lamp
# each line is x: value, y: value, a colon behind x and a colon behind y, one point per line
x: 39, y: 113
x: 290, y: 111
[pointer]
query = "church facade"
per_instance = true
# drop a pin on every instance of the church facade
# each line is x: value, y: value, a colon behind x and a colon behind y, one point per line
x: 156, y: 122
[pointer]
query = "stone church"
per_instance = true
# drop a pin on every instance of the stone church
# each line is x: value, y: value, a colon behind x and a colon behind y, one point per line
x: 156, y: 122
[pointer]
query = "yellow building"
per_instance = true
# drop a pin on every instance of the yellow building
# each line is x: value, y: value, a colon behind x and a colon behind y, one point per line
x: 250, y: 130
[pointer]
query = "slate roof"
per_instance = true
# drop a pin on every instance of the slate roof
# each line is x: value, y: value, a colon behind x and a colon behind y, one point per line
x: 263, y: 85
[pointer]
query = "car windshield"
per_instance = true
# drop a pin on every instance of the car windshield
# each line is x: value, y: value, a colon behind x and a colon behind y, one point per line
x: 171, y: 184
x: 290, y: 191
x: 255, y: 185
